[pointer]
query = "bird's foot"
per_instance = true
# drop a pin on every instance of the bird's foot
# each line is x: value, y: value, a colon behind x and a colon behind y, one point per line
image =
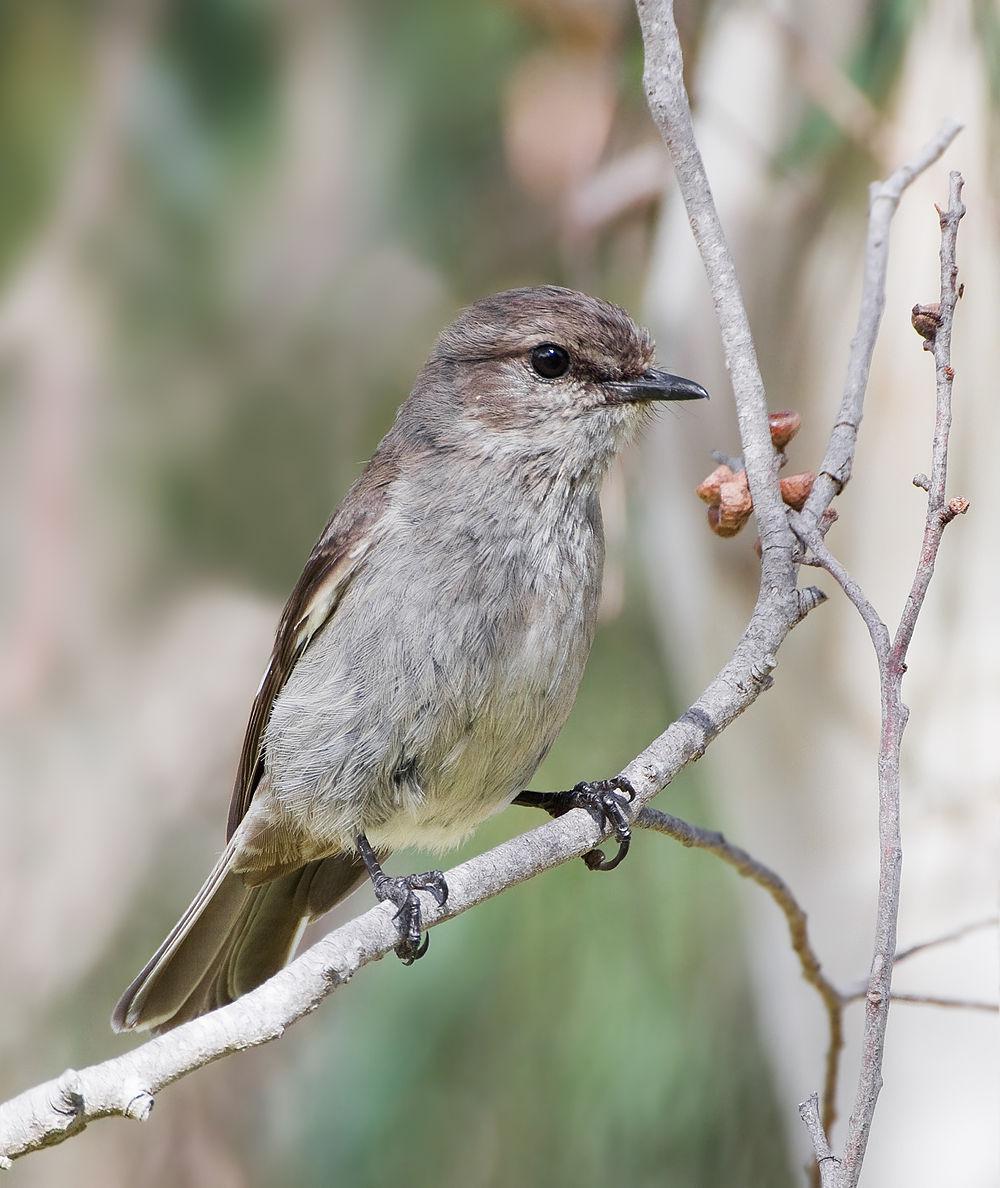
x: 402, y: 891
x: 604, y: 799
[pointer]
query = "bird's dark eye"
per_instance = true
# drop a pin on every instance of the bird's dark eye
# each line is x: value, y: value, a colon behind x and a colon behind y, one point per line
x: 550, y: 361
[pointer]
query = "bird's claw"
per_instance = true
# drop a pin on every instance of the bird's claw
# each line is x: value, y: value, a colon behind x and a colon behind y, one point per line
x: 402, y: 891
x: 606, y: 799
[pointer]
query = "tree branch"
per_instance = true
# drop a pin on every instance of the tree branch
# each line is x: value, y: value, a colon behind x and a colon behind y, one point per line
x: 942, y: 1000
x: 883, y: 199
x: 891, y: 656
x: 745, y: 864
x: 947, y: 938
x: 834, y: 999
x: 828, y: 1164
x: 668, y: 103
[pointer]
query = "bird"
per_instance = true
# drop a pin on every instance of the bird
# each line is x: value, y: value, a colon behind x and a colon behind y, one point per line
x: 433, y: 646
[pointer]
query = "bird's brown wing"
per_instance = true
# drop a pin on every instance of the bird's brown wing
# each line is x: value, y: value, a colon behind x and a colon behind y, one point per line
x: 334, y: 561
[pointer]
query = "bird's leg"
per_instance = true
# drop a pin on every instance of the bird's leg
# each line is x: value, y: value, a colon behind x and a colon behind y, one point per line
x: 402, y: 891
x: 603, y: 799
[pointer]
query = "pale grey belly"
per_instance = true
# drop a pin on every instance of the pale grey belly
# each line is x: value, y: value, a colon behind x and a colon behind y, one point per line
x: 481, y: 773
x: 427, y: 763
x: 428, y: 700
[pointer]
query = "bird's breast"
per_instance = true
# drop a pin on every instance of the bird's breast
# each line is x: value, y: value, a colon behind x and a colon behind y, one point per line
x: 505, y: 662
x: 445, y: 674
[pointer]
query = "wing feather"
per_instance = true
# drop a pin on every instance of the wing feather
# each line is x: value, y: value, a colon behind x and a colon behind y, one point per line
x: 335, y: 560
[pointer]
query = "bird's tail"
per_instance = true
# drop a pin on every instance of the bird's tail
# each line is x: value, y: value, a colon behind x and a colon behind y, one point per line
x: 230, y: 939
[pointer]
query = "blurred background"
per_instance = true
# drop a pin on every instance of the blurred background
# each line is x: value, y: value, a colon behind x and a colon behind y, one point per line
x: 229, y: 230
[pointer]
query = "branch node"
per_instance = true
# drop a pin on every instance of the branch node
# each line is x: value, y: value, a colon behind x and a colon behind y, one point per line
x: 922, y: 481
x: 953, y: 508
x: 760, y: 670
x: 140, y: 1107
x: 810, y: 597
x: 68, y: 1096
x: 926, y: 319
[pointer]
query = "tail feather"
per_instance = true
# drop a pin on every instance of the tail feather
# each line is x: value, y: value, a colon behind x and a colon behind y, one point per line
x: 231, y: 939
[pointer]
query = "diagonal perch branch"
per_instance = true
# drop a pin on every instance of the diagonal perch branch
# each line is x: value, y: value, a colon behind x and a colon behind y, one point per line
x: 127, y: 1085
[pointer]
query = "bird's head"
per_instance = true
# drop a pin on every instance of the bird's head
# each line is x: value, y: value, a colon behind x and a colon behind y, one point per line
x: 545, y: 374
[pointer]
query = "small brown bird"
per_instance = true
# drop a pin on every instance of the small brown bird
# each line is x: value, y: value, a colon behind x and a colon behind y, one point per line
x: 433, y: 646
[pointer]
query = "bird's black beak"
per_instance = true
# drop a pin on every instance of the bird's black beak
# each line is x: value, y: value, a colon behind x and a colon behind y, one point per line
x: 654, y: 385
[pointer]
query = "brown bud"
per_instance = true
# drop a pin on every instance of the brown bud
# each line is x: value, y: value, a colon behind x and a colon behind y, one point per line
x: 796, y: 487
x: 715, y: 523
x: 953, y: 508
x: 734, y: 504
x: 925, y: 319
x: 708, y: 489
x: 784, y: 426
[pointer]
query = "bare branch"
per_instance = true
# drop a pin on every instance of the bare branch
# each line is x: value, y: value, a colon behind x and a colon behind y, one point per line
x: 833, y: 998
x: 664, y: 82
x: 934, y: 942
x: 940, y: 1000
x: 946, y: 938
x: 820, y: 555
x: 891, y: 656
x: 883, y: 199
x: 126, y: 1085
x: 894, y: 713
x: 812, y: 970
x: 828, y: 1163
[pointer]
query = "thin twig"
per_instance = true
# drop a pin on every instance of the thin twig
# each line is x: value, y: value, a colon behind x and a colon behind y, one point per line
x: 938, y: 1000
x: 812, y: 970
x: 946, y: 938
x: 883, y: 199
x: 942, y: 1000
x: 827, y: 1163
x: 820, y: 555
x: 934, y: 942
